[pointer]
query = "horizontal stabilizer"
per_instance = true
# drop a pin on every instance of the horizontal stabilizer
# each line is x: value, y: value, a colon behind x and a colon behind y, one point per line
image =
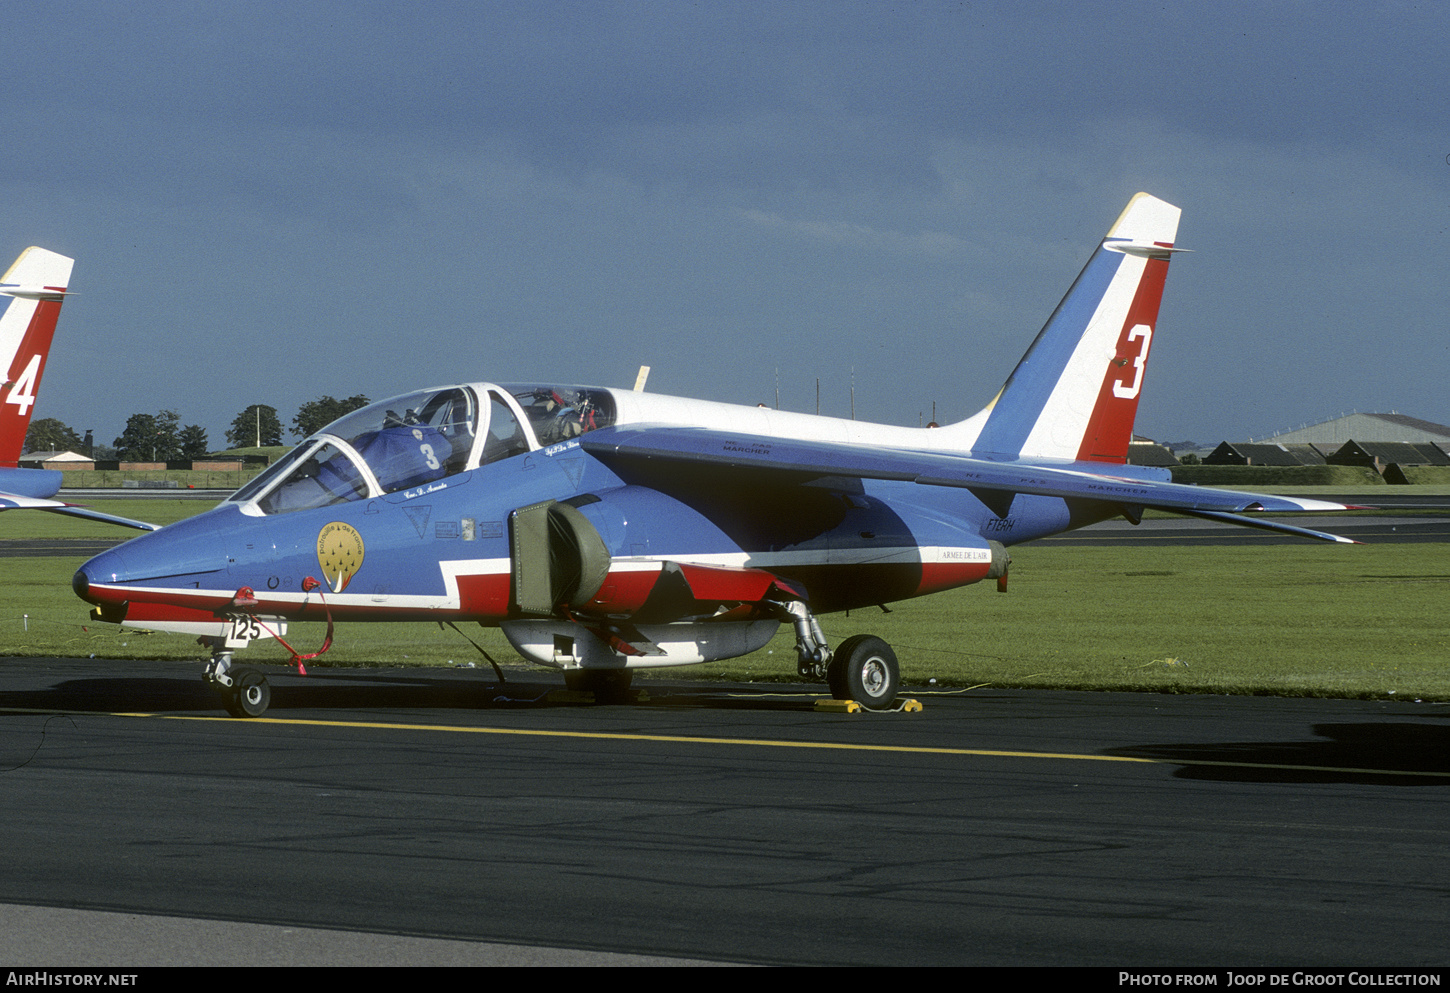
x: 1146, y: 250
x: 1265, y: 525
x: 33, y: 292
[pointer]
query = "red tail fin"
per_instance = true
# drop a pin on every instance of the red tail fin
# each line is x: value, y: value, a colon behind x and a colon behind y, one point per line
x: 32, y: 292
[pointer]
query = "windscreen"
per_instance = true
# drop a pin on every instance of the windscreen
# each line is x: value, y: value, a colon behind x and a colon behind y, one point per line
x: 395, y: 444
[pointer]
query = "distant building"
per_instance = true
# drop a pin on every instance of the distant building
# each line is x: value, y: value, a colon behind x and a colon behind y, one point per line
x: 55, y: 460
x: 1334, y: 433
x: 1379, y: 455
x: 1144, y: 451
x: 1383, y: 442
x: 1255, y: 453
x: 1388, y: 458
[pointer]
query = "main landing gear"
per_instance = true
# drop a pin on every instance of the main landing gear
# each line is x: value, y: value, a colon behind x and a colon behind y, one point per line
x: 863, y: 668
x: 607, y: 685
x: 244, y: 691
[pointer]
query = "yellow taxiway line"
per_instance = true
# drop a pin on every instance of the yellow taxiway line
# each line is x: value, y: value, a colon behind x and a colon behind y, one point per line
x: 827, y: 745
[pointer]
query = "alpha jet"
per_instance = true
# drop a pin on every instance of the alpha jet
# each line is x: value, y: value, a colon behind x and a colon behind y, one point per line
x: 31, y: 294
x: 608, y: 530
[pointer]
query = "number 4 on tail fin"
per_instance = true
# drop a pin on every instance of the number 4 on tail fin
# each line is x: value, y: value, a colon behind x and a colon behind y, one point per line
x: 31, y: 293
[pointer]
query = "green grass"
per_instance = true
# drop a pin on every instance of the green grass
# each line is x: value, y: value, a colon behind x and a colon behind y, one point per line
x: 1301, y: 620
x: 1426, y: 475
x: 273, y: 452
x: 200, y: 479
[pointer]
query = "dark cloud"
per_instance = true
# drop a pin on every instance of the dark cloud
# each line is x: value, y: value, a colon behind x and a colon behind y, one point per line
x: 573, y: 188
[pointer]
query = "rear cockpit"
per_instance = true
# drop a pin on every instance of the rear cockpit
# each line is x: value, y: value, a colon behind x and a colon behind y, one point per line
x: 558, y: 413
x: 421, y: 438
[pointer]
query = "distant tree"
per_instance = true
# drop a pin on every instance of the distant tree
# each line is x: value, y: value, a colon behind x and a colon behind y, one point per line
x: 256, y: 426
x: 316, y: 414
x: 51, y: 435
x: 193, y: 442
x: 150, y: 438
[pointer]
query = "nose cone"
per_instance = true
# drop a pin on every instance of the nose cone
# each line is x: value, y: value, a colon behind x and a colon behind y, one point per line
x: 108, y: 567
x: 191, y: 553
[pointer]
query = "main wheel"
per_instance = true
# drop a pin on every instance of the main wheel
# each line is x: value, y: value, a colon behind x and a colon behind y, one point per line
x: 864, y: 669
x: 607, y: 685
x: 249, y: 695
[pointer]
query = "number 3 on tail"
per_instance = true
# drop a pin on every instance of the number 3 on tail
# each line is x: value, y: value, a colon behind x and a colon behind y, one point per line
x: 1125, y: 392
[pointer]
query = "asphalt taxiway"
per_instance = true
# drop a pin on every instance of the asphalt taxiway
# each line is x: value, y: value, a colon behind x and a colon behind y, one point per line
x: 435, y: 811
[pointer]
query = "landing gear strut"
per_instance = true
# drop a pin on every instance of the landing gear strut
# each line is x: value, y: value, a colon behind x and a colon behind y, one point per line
x: 863, y: 668
x: 244, y: 691
x: 812, y: 653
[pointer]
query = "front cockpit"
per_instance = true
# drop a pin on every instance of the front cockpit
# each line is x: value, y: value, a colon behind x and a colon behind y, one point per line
x: 420, y: 438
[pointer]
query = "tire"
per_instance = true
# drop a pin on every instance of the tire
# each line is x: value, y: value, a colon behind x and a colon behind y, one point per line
x: 250, y: 695
x: 864, y: 669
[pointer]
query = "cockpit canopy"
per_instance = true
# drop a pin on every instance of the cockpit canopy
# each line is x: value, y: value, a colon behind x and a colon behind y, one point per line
x: 419, y: 438
x: 558, y: 413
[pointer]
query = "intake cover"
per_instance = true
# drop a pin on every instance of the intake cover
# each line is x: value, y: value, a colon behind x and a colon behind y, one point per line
x: 559, y: 559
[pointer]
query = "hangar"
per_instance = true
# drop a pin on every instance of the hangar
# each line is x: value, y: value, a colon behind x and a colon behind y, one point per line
x: 1363, y: 427
x: 1387, y: 443
x: 1398, y: 447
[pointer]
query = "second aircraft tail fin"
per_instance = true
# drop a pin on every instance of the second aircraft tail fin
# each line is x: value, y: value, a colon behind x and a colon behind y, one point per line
x: 30, y: 293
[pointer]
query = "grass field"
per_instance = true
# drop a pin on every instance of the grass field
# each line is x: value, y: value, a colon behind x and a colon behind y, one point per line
x: 1310, y: 619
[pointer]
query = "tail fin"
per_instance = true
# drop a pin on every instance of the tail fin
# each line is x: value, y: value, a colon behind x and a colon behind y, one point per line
x: 1075, y: 393
x: 31, y: 293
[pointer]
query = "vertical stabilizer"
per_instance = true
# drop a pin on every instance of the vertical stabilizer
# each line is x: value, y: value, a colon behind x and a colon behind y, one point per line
x: 31, y: 294
x: 1075, y: 393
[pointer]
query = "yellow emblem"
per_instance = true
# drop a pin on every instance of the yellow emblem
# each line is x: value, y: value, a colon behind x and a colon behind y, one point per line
x: 340, y: 554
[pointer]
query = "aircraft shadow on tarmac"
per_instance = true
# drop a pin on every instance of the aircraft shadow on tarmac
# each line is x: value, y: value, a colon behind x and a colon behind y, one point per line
x: 1349, y: 753
x: 1384, y: 753
x: 379, y: 691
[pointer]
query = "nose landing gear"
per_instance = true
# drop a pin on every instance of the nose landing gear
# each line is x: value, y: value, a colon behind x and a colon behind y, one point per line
x: 244, y: 691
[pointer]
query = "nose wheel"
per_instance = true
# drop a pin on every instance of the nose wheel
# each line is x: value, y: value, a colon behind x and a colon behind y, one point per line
x: 250, y: 695
x: 244, y: 691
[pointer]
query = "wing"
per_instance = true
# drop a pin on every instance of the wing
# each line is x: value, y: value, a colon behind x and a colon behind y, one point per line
x: 15, y: 501
x: 993, y: 482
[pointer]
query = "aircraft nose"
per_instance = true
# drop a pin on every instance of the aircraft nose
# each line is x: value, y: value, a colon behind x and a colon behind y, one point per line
x: 108, y: 567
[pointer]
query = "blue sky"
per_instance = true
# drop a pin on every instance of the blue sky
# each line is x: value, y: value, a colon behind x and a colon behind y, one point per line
x: 269, y: 202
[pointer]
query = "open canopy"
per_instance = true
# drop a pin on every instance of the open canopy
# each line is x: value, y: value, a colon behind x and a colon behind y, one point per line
x: 418, y: 438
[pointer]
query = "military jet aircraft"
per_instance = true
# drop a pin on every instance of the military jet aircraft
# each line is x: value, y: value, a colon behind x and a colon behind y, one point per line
x: 608, y: 530
x: 36, y: 286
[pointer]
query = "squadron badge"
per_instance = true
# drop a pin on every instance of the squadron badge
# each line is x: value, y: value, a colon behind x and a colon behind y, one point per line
x: 339, y: 553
